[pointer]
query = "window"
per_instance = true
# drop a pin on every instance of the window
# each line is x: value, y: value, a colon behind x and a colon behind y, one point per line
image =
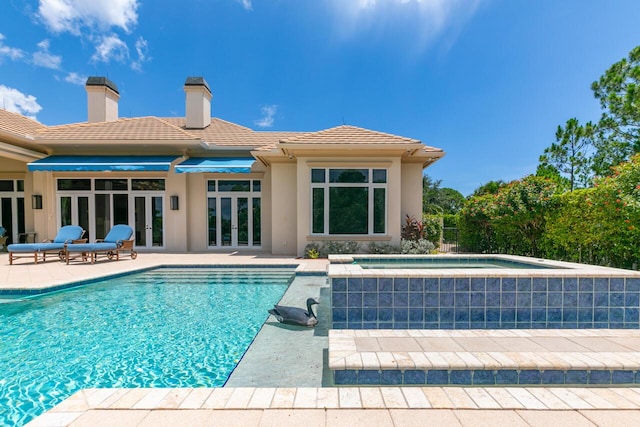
x: 111, y: 184
x: 228, y: 185
x: 147, y: 184
x: 349, y: 202
x: 6, y: 185
x: 74, y: 185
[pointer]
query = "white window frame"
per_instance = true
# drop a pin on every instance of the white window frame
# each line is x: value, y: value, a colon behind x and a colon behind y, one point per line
x: 14, y: 196
x: 234, y: 195
x: 371, y: 186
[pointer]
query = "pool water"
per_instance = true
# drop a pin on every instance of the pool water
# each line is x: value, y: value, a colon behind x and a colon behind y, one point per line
x: 441, y: 263
x: 162, y: 328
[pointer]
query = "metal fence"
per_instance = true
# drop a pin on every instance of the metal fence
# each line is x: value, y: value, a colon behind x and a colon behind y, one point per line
x: 449, y: 242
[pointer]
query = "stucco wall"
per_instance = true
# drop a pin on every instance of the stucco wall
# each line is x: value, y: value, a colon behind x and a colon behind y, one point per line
x: 267, y: 204
x: 283, y: 199
x: 196, y: 212
x: 411, y: 190
x: 394, y: 201
x: 175, y: 221
x: 45, y: 219
x: 12, y: 166
x: 303, y: 177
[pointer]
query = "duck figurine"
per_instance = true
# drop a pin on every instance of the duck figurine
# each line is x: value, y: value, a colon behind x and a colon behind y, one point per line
x: 296, y: 316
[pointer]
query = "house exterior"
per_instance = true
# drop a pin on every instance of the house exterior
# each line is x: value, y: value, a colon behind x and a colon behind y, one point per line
x: 197, y: 183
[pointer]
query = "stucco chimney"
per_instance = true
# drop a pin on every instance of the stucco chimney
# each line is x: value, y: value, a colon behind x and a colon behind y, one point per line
x: 102, y: 100
x: 198, y: 111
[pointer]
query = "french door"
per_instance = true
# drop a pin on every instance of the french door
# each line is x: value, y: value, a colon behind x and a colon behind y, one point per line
x: 234, y: 213
x: 75, y: 210
x: 234, y: 221
x: 12, y: 217
x: 148, y: 220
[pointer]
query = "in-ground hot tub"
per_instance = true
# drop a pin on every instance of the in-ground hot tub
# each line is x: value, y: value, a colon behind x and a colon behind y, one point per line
x: 523, y: 293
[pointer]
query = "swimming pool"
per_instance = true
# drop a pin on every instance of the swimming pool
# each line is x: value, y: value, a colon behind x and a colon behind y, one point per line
x: 170, y: 327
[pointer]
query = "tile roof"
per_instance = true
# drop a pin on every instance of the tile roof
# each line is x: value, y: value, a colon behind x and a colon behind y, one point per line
x: 220, y: 133
x: 18, y: 124
x: 349, y: 135
x: 224, y: 133
x: 140, y: 128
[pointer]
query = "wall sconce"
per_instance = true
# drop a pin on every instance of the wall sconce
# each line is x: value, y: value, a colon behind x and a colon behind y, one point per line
x: 175, y: 204
x: 36, y: 201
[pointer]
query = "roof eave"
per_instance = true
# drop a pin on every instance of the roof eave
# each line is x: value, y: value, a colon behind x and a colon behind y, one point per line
x: 18, y: 153
x: 128, y: 142
x: 214, y: 146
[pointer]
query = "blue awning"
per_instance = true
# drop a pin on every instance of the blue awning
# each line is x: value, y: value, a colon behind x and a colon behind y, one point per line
x: 102, y: 163
x: 216, y: 164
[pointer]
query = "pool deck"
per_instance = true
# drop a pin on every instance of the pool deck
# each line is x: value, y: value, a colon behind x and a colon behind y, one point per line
x: 601, y: 357
x: 270, y: 400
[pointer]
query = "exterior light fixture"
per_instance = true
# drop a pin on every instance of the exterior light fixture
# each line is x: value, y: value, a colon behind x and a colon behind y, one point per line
x: 175, y: 203
x: 36, y: 201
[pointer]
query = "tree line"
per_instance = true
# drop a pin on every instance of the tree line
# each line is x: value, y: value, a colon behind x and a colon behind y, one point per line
x: 583, y: 202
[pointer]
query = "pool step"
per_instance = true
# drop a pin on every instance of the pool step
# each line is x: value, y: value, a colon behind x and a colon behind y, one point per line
x: 485, y: 357
x: 227, y: 276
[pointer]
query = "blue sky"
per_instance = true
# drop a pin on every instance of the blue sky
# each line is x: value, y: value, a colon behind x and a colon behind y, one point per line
x: 488, y: 81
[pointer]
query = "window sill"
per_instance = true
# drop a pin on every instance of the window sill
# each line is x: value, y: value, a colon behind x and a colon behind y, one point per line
x: 353, y: 237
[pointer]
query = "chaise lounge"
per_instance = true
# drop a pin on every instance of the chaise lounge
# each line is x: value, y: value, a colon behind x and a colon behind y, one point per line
x: 116, y: 241
x: 67, y: 234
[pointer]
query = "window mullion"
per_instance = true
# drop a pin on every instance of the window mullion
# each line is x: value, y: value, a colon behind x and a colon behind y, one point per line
x: 370, y: 209
x: 325, y: 189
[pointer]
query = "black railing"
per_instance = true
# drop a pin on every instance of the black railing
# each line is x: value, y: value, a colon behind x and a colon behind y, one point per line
x: 449, y: 243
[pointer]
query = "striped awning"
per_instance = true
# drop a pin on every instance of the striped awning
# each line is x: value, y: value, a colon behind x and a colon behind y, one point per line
x: 216, y: 164
x: 102, y: 163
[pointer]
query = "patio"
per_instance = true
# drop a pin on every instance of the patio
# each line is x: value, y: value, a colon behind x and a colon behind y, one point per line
x: 273, y: 400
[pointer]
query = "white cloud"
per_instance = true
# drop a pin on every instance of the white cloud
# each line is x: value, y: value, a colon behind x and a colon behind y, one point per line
x: 246, y: 4
x: 9, y: 52
x: 142, y: 51
x: 42, y: 57
x: 100, y: 22
x: 111, y: 48
x: 426, y: 19
x: 76, y: 79
x: 268, y: 116
x: 73, y: 15
x: 13, y: 100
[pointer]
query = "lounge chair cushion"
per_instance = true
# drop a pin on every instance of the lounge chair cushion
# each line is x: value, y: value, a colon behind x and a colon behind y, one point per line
x: 35, y: 247
x: 113, y: 240
x: 118, y: 233
x: 92, y: 247
x: 68, y: 233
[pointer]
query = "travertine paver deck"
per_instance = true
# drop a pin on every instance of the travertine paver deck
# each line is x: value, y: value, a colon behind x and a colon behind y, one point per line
x: 24, y: 274
x: 542, y: 349
x: 349, y: 406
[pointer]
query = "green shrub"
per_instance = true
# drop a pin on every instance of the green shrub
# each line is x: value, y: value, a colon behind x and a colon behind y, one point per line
x: 599, y: 225
x: 476, y: 231
x: 421, y: 246
x: 432, y: 228
x: 412, y: 229
x: 312, y: 250
x: 382, y: 248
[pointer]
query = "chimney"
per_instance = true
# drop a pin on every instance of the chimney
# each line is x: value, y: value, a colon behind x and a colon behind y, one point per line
x: 102, y: 100
x: 198, y: 103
